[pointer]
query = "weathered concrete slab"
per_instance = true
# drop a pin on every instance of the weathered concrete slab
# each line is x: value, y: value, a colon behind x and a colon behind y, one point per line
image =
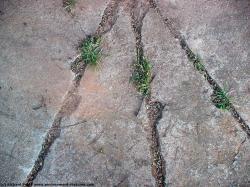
x: 198, y: 142
x: 105, y: 153
x: 102, y: 141
x: 37, y: 40
x: 110, y: 149
x: 219, y: 32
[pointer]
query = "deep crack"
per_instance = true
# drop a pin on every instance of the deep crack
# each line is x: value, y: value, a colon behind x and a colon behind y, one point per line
x: 154, y: 113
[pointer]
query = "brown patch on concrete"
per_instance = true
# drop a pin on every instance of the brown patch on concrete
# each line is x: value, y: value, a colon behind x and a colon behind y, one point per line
x: 90, y: 82
x: 93, y: 94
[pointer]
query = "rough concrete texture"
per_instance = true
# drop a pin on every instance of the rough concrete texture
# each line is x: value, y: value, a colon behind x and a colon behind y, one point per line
x: 113, y: 149
x: 102, y: 141
x: 38, y: 38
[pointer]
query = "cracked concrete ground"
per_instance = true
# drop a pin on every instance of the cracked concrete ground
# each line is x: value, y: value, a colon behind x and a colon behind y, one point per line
x: 103, y: 141
x: 197, y: 140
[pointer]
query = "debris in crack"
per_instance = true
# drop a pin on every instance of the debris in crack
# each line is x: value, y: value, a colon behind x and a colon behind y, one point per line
x: 76, y: 65
x: 142, y: 77
x: 109, y: 18
x: 154, y: 113
x: 201, y: 68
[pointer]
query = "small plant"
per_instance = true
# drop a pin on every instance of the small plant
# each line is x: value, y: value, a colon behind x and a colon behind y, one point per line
x: 69, y: 4
x: 221, y: 99
x: 198, y: 64
x: 196, y: 60
x: 91, y: 51
x: 141, y: 76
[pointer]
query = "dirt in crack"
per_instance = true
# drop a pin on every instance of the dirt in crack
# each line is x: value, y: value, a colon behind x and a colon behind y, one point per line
x: 219, y: 97
x: 154, y: 113
x: 72, y: 99
x: 141, y: 78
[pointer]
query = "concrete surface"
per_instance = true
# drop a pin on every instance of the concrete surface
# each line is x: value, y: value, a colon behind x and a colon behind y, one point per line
x: 37, y: 41
x: 110, y: 149
x: 197, y: 140
x: 219, y: 32
x: 102, y: 141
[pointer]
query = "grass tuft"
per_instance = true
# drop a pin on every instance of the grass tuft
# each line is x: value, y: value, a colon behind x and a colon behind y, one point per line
x: 141, y: 76
x: 221, y: 99
x: 91, y: 51
x: 69, y: 4
x: 196, y: 60
x: 198, y: 64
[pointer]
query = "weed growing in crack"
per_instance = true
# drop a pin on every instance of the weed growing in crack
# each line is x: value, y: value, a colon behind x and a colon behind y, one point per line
x: 221, y: 99
x: 196, y: 60
x: 141, y: 76
x: 198, y: 64
x: 91, y: 51
x: 68, y: 5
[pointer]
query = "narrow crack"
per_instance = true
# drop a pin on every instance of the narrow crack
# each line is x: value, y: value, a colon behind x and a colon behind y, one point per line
x: 200, y: 67
x: 237, y: 151
x: 136, y: 23
x: 154, y: 108
x: 109, y: 17
x: 71, y: 100
x: 75, y: 124
x: 141, y: 100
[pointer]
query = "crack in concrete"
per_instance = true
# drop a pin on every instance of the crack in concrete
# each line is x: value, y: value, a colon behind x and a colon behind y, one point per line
x: 154, y: 113
x: 153, y: 108
x: 75, y: 124
x: 136, y: 23
x: 237, y: 151
x: 69, y: 105
x: 71, y: 100
x: 190, y: 55
x: 141, y: 101
x: 109, y: 17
